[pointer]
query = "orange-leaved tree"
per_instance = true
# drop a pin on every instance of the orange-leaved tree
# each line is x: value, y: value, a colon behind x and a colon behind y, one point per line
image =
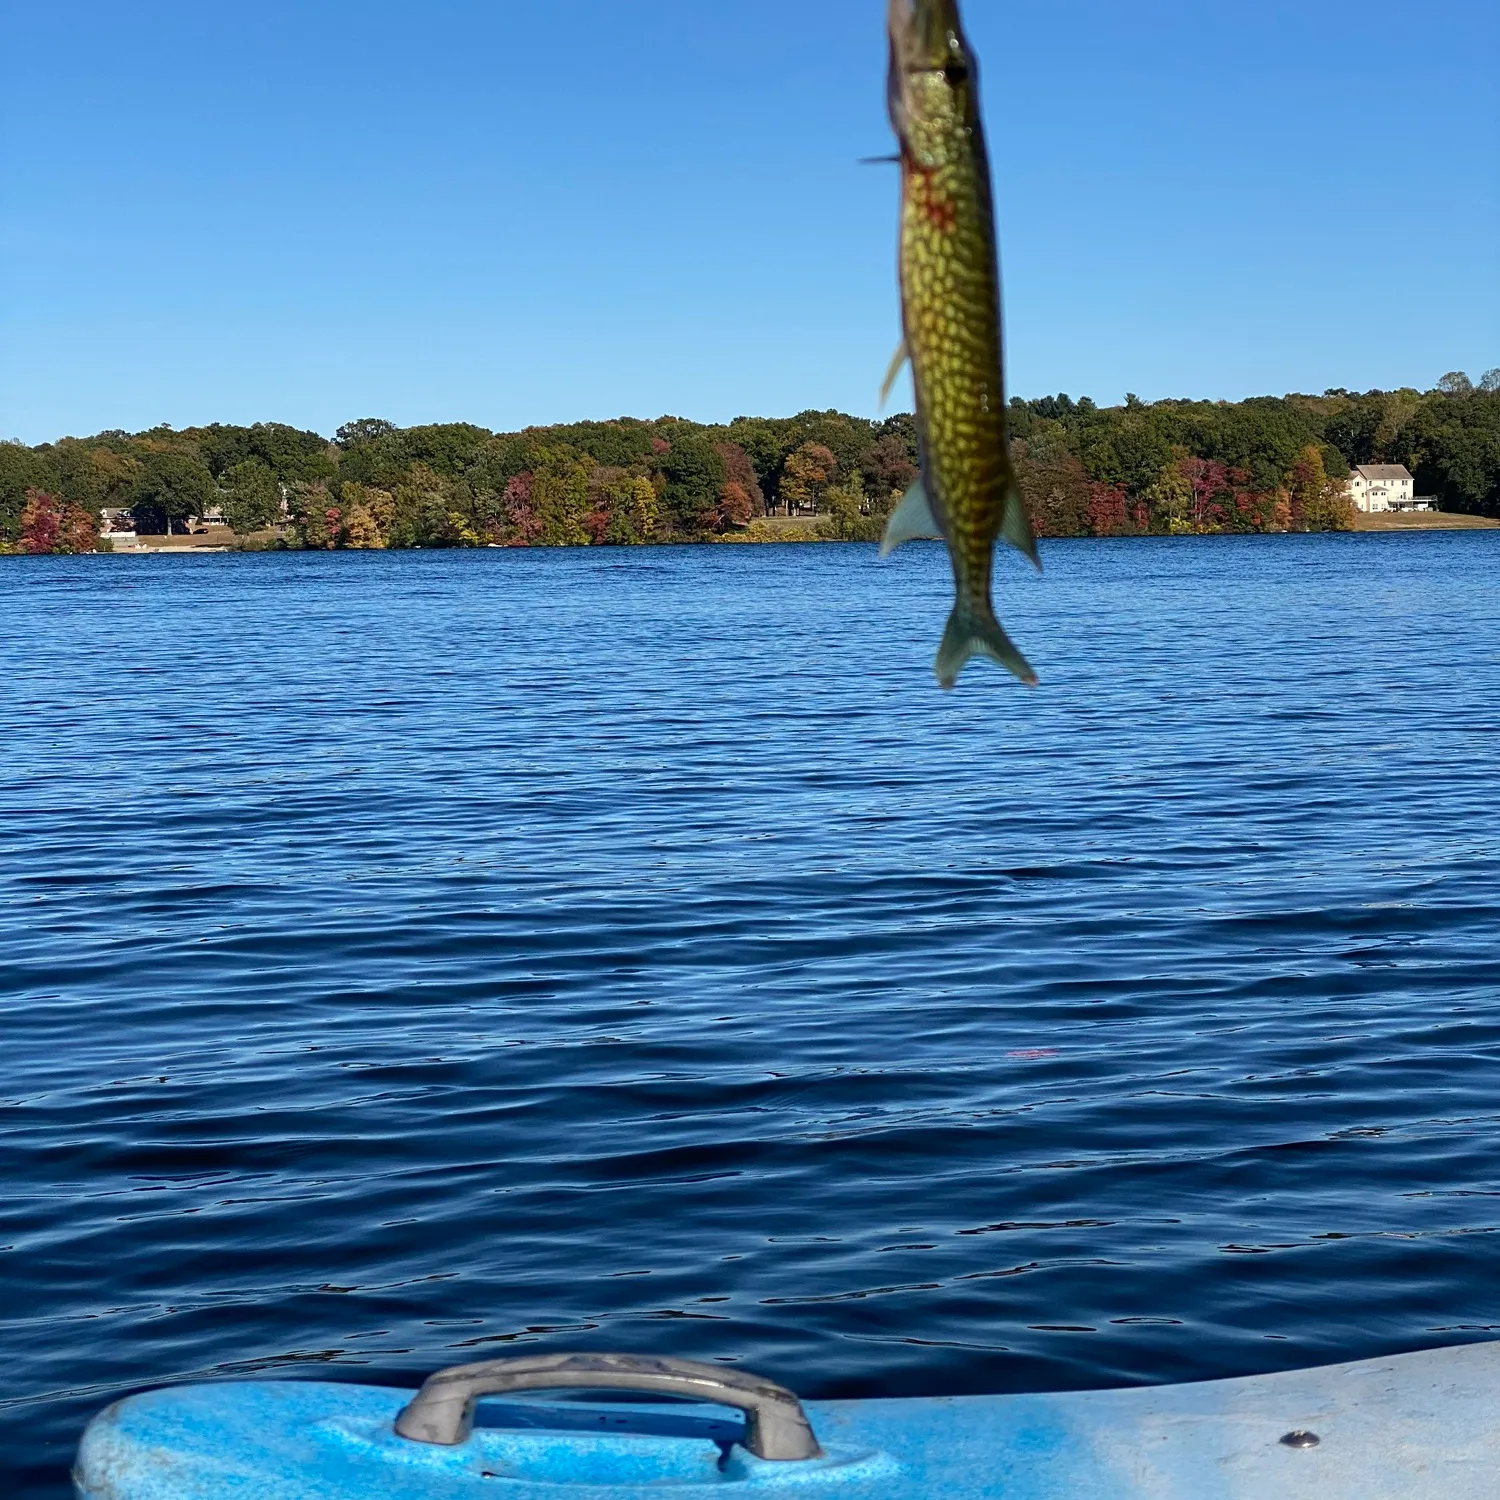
x: 740, y: 496
x: 805, y: 477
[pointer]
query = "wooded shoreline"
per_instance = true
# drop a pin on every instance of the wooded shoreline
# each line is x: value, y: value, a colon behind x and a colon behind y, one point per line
x: 215, y: 543
x: 1143, y: 468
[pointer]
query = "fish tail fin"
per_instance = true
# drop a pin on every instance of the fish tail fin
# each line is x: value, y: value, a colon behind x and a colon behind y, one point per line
x: 976, y: 632
x: 1015, y: 524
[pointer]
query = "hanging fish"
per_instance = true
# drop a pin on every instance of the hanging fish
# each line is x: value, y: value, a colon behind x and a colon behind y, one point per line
x: 966, y: 493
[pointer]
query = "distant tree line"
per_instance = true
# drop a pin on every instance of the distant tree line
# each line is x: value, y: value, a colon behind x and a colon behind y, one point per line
x: 1265, y: 464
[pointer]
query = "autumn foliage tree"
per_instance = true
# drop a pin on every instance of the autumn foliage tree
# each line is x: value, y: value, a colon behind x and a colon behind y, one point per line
x: 633, y: 512
x: 41, y: 523
x: 1318, y: 501
x: 50, y: 525
x: 1167, y: 466
x: 1056, y: 488
x: 886, y: 469
x: 805, y: 477
x: 522, y: 524
x: 740, y: 496
x: 1107, y: 510
x: 315, y: 518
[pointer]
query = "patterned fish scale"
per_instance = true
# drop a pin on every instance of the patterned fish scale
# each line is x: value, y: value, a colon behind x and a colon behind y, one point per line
x: 954, y: 341
x: 951, y: 316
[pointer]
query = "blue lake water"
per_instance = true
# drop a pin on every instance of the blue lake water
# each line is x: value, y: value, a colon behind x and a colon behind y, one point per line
x: 409, y: 958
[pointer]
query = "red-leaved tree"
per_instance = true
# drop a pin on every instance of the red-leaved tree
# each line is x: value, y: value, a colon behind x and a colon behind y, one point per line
x: 596, y: 523
x: 735, y: 507
x: 520, y: 512
x: 1208, y: 484
x: 50, y: 525
x: 41, y: 522
x: 741, y: 497
x: 1109, y: 513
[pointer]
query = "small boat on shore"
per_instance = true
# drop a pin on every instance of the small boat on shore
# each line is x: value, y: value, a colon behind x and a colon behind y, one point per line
x: 1422, y: 1426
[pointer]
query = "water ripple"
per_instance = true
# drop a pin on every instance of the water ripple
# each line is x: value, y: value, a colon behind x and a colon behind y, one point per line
x: 412, y: 955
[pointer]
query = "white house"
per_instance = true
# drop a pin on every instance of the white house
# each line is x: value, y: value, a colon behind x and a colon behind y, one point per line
x: 1385, y: 487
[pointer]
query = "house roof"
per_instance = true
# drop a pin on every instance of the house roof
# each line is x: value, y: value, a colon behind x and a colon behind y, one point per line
x: 1382, y: 472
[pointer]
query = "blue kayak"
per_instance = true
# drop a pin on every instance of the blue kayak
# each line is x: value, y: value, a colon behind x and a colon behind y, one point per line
x: 1413, y: 1427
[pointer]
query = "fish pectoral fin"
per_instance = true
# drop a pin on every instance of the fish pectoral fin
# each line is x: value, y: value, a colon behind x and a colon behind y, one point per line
x: 898, y: 359
x: 976, y: 632
x: 1015, y: 525
x: 911, y: 519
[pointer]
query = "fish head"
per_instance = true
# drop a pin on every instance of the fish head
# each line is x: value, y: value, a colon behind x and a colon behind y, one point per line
x: 932, y: 88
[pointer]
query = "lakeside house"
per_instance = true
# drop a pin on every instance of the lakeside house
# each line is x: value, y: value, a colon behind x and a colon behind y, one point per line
x: 1374, y: 487
x: 117, y: 526
x: 213, y: 516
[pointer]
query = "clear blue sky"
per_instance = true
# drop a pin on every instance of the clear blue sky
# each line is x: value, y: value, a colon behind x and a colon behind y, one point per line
x: 509, y: 213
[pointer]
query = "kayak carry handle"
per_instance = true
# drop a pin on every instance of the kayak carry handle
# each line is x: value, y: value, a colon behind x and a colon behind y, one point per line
x: 776, y: 1427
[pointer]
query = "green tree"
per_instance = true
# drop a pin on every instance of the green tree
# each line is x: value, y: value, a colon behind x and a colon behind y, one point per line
x: 373, y: 452
x: 694, y: 472
x: 171, y: 485
x: 449, y: 448
x: 633, y: 513
x: 1170, y: 498
x: 851, y: 515
x: 845, y: 437
x: 421, y: 507
x: 363, y: 430
x: 250, y: 497
x: 291, y: 453
x: 94, y: 475
x: 1453, y: 449
x: 21, y: 469
x: 317, y: 520
x: 560, y: 496
x: 764, y: 441
x: 1126, y: 449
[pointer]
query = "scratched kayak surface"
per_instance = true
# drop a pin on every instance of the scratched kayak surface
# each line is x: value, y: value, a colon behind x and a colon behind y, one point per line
x: 407, y: 958
x: 1422, y: 1426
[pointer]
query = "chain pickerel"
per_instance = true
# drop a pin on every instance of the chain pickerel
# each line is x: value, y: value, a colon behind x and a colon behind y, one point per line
x: 966, y: 493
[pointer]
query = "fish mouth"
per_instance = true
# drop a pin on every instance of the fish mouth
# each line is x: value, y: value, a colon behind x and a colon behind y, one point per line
x: 930, y: 62
x: 927, y: 36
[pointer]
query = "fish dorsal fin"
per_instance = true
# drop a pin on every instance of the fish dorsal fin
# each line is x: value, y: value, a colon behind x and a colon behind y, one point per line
x: 911, y: 519
x: 898, y: 359
x: 1015, y: 525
